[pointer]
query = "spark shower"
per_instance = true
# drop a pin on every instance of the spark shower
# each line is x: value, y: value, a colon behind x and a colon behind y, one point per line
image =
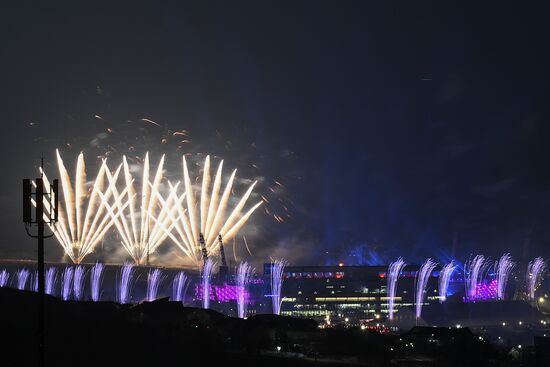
x: 147, y: 215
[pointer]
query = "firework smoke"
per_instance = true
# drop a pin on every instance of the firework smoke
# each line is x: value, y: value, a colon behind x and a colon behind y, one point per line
x: 78, y: 284
x: 535, y: 273
x: 504, y: 268
x: 244, y: 272
x: 394, y: 270
x: 4, y: 277
x: 51, y: 277
x: 206, y: 275
x: 125, y: 283
x: 179, y: 287
x: 66, y: 283
x: 474, y: 271
x: 96, y: 274
x: 421, y: 282
x: 277, y: 271
x: 22, y: 275
x: 154, y: 279
x: 444, y: 278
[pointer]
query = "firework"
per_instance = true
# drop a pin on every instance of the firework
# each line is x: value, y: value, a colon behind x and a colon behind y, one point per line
x: 51, y: 277
x: 149, y: 225
x: 179, y: 287
x: 96, y: 274
x: 474, y: 272
x: 35, y: 281
x: 504, y: 268
x: 394, y: 270
x: 206, y: 276
x: 422, y: 278
x: 66, y: 283
x: 277, y: 271
x: 154, y: 279
x: 125, y: 283
x: 78, y: 284
x: 444, y: 278
x: 244, y: 272
x: 80, y: 226
x: 4, y: 277
x: 197, y: 229
x: 22, y: 275
x: 535, y: 273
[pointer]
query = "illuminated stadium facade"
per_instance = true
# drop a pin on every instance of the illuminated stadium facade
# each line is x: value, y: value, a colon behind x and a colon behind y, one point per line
x: 358, y: 293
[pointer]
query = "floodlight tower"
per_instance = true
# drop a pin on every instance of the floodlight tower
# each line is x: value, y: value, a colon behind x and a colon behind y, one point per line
x: 224, y: 270
x: 48, y: 196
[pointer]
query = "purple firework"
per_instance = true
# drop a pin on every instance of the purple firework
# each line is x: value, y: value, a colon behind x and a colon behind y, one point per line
x: 474, y: 272
x: 67, y: 283
x: 444, y: 278
x: 78, y: 284
x: 4, y: 277
x: 125, y: 283
x: 96, y: 274
x: 22, y: 275
x: 535, y: 273
x: 421, y: 282
x: 504, y: 268
x: 51, y: 277
x: 154, y: 279
x: 394, y: 270
x: 179, y: 287
x: 35, y: 281
x: 244, y: 272
x: 277, y: 271
x: 206, y: 275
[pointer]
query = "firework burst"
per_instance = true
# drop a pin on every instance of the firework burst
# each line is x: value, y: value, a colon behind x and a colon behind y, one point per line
x: 198, y: 226
x: 96, y: 275
x: 22, y: 275
x: 179, y: 287
x: 148, y: 225
x: 67, y: 283
x: 206, y: 276
x: 4, y: 277
x: 474, y: 272
x: 535, y: 274
x: 277, y: 272
x: 244, y: 272
x: 125, y: 283
x: 81, y: 225
x: 78, y: 282
x: 394, y: 270
x: 444, y: 278
x: 154, y: 280
x: 504, y: 268
x: 421, y: 282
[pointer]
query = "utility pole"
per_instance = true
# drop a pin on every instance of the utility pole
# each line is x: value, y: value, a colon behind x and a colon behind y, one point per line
x: 44, y: 214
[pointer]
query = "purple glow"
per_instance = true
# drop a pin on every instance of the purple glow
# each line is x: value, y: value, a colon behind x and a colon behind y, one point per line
x: 96, y: 276
x: 504, y: 268
x: 4, y: 277
x: 78, y: 285
x: 485, y: 291
x: 394, y: 270
x: 125, y: 283
x: 179, y: 287
x: 51, y: 277
x: 535, y: 273
x: 22, y: 276
x: 154, y: 279
x: 277, y: 270
x: 421, y: 283
x: 444, y: 277
x: 244, y: 272
x: 206, y: 276
x: 222, y: 294
x: 34, y: 280
x: 66, y: 283
x: 474, y: 272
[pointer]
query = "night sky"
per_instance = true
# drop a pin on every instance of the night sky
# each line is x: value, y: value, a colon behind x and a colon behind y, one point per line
x: 416, y: 129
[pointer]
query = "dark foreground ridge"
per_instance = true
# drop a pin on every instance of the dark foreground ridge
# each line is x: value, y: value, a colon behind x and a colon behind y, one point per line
x: 167, y: 333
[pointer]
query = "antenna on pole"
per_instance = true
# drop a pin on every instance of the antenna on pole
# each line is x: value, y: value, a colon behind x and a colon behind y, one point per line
x: 44, y: 193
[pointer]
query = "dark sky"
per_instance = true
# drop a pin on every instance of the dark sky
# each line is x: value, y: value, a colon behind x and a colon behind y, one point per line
x: 394, y: 127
